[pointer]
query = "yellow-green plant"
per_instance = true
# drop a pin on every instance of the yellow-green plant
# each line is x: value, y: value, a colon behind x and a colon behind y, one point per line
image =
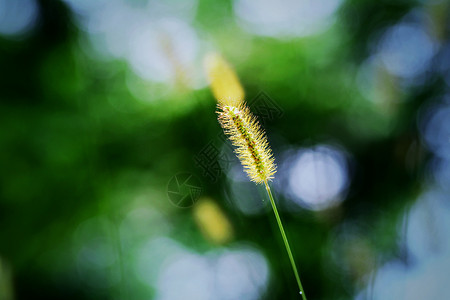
x: 246, y: 135
x: 251, y: 144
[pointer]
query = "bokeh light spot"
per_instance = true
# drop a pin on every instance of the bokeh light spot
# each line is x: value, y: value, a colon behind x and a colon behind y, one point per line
x: 285, y: 18
x: 241, y: 274
x: 435, y: 126
x: 395, y: 50
x: 17, y: 17
x: 156, y: 39
x: 318, y: 177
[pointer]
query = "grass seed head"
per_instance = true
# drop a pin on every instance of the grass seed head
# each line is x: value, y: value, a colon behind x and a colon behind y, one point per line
x: 250, y: 141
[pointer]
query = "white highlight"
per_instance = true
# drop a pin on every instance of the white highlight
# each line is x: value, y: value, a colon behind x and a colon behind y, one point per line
x: 406, y: 50
x: 17, y: 17
x: 285, y: 18
x: 318, y: 177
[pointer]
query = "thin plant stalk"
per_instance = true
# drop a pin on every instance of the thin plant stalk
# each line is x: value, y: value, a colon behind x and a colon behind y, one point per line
x: 285, y: 240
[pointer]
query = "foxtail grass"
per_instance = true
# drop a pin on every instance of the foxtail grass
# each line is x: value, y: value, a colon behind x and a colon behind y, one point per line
x: 250, y: 141
x: 247, y: 136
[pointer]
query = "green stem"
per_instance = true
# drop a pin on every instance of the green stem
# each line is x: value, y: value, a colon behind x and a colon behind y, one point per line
x: 285, y: 240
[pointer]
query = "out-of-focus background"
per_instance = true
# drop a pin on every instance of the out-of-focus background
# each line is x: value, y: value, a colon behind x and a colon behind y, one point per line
x: 116, y: 181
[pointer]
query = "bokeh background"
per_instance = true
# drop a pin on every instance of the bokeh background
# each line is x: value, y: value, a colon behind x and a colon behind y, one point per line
x: 116, y: 181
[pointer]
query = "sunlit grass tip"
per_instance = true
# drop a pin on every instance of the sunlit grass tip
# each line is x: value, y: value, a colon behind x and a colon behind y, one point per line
x: 252, y: 147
